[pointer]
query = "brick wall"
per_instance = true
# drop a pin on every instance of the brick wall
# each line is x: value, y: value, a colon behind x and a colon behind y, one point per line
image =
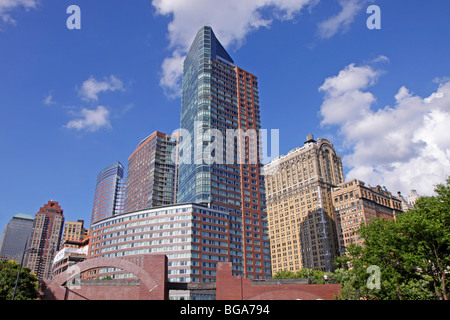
x: 151, y: 284
x: 230, y: 287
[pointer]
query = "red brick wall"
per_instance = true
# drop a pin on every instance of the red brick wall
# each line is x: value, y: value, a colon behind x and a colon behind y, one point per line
x: 153, y: 284
x: 152, y: 275
x: 230, y: 287
x: 104, y: 293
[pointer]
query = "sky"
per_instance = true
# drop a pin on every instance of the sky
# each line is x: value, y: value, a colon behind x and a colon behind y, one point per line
x: 73, y: 101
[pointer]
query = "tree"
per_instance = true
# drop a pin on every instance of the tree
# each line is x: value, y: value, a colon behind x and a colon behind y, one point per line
x: 412, y: 252
x: 427, y: 235
x: 349, y: 290
x: 316, y: 276
x: 284, y: 274
x: 27, y: 288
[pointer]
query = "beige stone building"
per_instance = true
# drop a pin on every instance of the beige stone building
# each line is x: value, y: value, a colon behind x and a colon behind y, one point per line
x: 74, y: 231
x: 300, y: 209
x: 355, y: 203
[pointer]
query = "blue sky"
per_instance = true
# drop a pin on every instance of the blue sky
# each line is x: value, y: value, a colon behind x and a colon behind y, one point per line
x: 74, y: 101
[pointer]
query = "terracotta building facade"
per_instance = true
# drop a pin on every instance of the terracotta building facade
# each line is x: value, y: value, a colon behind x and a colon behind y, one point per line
x: 151, y: 174
x: 356, y: 204
x: 45, y: 239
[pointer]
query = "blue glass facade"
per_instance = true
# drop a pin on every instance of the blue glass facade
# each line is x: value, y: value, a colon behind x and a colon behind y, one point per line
x: 219, y: 158
x: 14, y: 237
x: 199, y: 95
x: 109, y: 192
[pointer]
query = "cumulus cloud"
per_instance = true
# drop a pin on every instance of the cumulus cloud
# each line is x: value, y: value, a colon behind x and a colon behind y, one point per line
x: 91, y: 88
x: 232, y: 21
x: 344, y: 98
x: 404, y: 147
x: 342, y: 20
x: 171, y: 72
x: 91, y: 120
x: 7, y: 6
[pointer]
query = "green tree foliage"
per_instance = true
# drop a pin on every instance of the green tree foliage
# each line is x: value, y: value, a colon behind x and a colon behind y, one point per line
x: 316, y: 276
x: 27, y: 288
x: 412, y: 252
x: 284, y: 274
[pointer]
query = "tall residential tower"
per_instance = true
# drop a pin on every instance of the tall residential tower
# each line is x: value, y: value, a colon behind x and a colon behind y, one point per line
x: 151, y: 174
x: 45, y: 239
x: 220, y: 157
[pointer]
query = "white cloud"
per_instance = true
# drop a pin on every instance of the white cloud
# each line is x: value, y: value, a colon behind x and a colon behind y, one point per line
x: 171, y: 72
x: 342, y: 20
x: 380, y: 58
x: 91, y: 120
x: 403, y: 147
x: 6, y: 6
x: 49, y: 99
x: 91, y: 88
x: 344, y: 98
x: 231, y: 20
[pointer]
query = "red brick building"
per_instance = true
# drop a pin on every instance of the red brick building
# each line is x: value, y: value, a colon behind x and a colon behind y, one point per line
x: 151, y: 175
x: 45, y: 239
x: 356, y: 204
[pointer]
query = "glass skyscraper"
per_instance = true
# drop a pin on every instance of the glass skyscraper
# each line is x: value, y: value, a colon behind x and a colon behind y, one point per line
x: 219, y: 155
x: 14, y: 237
x: 196, y: 104
x: 110, y: 189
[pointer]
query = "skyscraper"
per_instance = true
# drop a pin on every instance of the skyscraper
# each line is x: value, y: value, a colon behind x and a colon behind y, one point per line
x: 300, y: 207
x: 45, y: 239
x: 109, y: 196
x: 220, y: 159
x: 14, y: 237
x: 151, y: 174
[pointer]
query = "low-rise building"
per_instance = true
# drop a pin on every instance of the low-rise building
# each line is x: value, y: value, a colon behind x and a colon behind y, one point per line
x: 193, y: 237
x: 72, y: 252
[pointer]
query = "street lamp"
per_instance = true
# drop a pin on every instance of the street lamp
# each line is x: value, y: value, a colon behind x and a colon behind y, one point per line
x: 20, y: 267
